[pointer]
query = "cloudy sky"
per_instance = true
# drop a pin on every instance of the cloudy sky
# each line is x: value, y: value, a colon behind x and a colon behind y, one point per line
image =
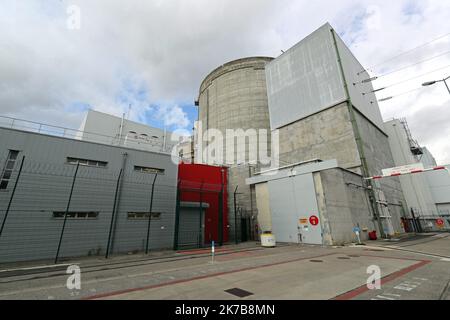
x: 153, y: 55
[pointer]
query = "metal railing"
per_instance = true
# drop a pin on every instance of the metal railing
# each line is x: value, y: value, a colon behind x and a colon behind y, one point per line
x: 125, y: 140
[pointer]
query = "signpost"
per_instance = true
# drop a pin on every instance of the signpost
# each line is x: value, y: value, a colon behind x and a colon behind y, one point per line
x: 356, y: 230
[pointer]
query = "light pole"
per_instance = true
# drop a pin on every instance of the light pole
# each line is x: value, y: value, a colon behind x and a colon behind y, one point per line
x: 430, y: 83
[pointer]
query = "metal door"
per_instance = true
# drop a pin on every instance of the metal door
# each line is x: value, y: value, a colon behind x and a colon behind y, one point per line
x: 292, y: 202
x: 306, y: 205
x: 191, y: 228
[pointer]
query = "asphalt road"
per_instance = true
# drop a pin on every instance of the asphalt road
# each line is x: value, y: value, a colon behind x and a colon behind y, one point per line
x: 412, y: 268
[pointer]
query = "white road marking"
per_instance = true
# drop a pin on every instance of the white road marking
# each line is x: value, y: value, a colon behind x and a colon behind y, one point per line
x: 405, y: 287
x: 37, y: 267
x: 385, y: 298
x: 392, y: 294
x: 423, y: 279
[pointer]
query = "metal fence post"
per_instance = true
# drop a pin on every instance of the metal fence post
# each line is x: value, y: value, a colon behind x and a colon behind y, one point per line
x: 150, y: 213
x: 200, y: 216
x: 12, y: 196
x: 235, y: 215
x: 113, y: 214
x: 177, y: 217
x: 416, y: 222
x: 67, y: 210
x: 220, y: 222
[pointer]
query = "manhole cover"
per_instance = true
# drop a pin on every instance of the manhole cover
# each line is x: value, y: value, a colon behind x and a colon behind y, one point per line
x: 316, y: 260
x: 239, y: 292
x: 344, y: 258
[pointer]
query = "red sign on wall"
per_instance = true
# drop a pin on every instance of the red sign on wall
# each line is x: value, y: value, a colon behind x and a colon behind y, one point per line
x: 314, y: 220
x: 440, y: 222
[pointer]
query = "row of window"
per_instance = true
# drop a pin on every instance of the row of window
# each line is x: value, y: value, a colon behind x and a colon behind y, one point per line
x: 85, y: 215
x: 13, y: 155
x: 103, y: 164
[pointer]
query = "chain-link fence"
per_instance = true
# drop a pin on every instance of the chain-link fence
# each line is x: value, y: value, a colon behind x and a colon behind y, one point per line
x: 56, y: 211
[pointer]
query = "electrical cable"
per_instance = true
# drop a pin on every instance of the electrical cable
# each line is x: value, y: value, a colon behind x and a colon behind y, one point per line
x: 406, y: 80
x: 404, y: 53
x: 402, y: 68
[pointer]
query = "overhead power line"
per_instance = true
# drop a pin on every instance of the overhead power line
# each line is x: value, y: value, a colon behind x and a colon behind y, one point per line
x: 398, y: 95
x: 406, y: 80
x: 402, y: 68
x: 414, y: 64
x: 404, y: 53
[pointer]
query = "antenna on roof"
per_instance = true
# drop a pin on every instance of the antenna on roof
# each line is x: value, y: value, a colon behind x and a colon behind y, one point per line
x: 129, y: 109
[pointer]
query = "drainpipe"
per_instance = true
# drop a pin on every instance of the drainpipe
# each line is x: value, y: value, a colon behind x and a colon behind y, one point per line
x: 359, y: 142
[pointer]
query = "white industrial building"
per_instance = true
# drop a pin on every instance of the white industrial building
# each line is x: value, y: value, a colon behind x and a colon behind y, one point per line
x: 427, y: 194
x: 406, y: 151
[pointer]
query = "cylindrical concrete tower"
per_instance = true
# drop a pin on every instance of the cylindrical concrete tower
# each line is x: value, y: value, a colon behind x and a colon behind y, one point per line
x: 234, y: 96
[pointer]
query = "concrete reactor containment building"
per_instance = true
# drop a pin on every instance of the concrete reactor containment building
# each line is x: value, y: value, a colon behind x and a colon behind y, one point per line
x: 234, y: 96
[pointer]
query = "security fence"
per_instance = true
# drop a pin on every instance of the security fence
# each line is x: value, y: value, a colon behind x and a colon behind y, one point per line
x: 243, y: 218
x: 200, y: 215
x: 56, y: 211
x: 426, y: 221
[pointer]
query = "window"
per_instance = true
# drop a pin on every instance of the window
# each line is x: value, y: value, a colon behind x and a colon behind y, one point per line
x: 8, y: 169
x: 143, y: 215
x: 76, y: 215
x: 87, y: 162
x: 148, y: 170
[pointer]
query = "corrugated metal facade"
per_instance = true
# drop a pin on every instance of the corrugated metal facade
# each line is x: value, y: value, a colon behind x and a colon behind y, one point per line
x: 32, y: 232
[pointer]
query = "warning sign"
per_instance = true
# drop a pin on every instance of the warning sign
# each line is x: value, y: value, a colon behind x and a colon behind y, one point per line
x: 314, y: 220
x: 303, y: 220
x: 440, y: 222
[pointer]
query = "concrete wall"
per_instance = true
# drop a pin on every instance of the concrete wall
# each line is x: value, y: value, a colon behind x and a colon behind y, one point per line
x: 345, y: 206
x: 325, y: 135
x: 31, y: 232
x: 234, y: 96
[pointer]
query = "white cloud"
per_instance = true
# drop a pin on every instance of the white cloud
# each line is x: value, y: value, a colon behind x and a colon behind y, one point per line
x: 172, y: 116
x: 167, y: 47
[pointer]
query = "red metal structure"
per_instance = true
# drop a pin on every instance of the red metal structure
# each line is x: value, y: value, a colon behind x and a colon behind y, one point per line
x: 205, y: 184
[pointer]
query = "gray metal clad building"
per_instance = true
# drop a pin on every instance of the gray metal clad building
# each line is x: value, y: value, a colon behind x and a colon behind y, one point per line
x: 34, y: 222
x: 321, y: 101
